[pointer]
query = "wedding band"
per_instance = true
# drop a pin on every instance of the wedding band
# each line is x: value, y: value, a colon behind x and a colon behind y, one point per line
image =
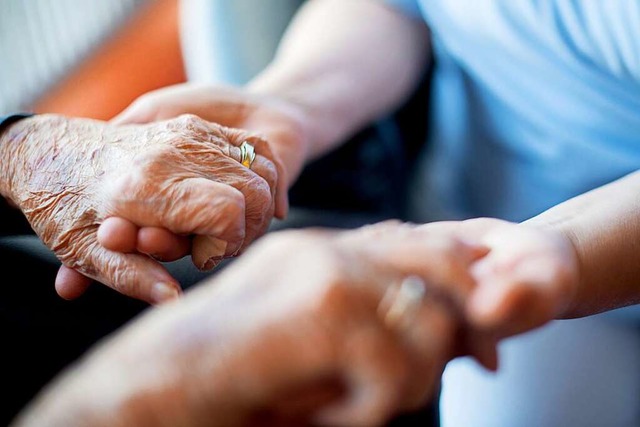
x: 401, y: 304
x: 247, y: 154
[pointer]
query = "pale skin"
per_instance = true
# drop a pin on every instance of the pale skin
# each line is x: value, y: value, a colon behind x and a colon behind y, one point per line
x: 364, y: 60
x: 180, y: 178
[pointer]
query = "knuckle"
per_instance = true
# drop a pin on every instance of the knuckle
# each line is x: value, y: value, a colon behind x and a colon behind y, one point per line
x: 260, y: 194
x: 234, y: 204
x: 122, y: 279
x: 187, y: 123
x: 188, y: 120
x: 270, y: 173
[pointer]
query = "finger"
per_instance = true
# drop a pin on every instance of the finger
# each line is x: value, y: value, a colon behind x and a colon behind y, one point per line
x: 429, y: 336
x: 263, y: 164
x: 134, y: 275
x: 258, y: 183
x: 442, y: 261
x: 282, y: 194
x: 509, y: 307
x: 280, y: 190
x: 273, y: 172
x: 118, y: 234
x: 162, y: 244
x: 136, y: 113
x: 256, y: 192
x: 376, y: 374
x: 515, y: 293
x: 482, y: 346
x: 190, y: 206
x: 206, y: 252
x: 71, y: 284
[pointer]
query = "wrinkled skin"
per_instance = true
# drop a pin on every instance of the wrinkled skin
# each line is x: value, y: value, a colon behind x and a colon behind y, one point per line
x: 291, y: 333
x: 283, y: 123
x: 280, y: 122
x: 182, y: 176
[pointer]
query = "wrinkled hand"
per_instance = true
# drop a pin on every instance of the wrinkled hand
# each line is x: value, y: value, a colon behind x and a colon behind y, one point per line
x: 297, y: 330
x: 279, y: 122
x: 528, y: 277
x: 182, y: 177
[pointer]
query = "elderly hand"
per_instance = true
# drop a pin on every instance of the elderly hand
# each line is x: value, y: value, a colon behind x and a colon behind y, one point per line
x: 528, y: 276
x: 182, y: 176
x: 309, y: 326
x: 282, y: 125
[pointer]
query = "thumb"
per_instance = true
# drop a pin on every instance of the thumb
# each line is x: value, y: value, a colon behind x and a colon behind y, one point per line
x: 71, y: 284
x: 139, y: 112
x: 508, y: 306
x: 134, y: 275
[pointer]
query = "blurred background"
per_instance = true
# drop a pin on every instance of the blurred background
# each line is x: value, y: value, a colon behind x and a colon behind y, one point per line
x: 93, y: 58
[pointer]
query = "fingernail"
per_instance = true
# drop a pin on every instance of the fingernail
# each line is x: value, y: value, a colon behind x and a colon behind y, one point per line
x: 212, y: 263
x: 163, y: 292
x: 233, y: 249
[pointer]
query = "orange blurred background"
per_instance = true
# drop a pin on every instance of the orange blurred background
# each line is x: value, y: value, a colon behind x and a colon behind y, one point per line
x: 143, y: 55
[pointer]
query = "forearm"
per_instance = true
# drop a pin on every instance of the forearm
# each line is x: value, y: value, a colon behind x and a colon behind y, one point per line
x: 604, y: 227
x: 345, y: 63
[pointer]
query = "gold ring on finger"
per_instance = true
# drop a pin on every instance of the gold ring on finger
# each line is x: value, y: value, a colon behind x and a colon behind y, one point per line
x: 247, y: 154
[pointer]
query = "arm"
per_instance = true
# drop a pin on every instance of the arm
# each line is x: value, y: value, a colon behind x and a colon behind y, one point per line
x: 340, y: 65
x: 603, y: 226
x: 345, y: 63
x: 576, y: 259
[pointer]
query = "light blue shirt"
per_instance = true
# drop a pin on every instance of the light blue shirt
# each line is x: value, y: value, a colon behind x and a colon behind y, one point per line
x: 534, y: 102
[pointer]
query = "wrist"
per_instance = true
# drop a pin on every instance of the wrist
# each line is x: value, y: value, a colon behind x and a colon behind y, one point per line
x: 287, y: 126
x: 560, y: 227
x: 321, y: 123
x: 15, y: 130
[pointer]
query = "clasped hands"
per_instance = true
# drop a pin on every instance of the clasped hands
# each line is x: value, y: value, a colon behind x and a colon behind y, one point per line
x: 112, y: 201
x: 303, y: 329
x: 308, y: 309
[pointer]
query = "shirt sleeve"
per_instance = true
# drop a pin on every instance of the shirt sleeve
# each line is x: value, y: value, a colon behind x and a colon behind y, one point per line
x: 13, y: 222
x: 408, y: 7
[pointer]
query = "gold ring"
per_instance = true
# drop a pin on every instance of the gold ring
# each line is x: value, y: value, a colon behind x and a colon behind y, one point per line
x: 247, y: 154
x: 400, y: 304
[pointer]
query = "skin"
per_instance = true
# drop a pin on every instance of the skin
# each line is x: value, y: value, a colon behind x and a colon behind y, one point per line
x: 308, y: 342
x: 326, y: 82
x: 181, y: 180
x: 342, y: 64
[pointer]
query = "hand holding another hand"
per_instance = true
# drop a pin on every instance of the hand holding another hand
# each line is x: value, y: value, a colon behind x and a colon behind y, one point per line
x: 308, y: 326
x: 528, y: 277
x: 176, y: 179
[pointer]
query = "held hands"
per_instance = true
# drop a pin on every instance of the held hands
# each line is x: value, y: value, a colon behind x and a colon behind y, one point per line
x: 175, y: 179
x: 281, y: 123
x: 313, y: 326
x: 308, y: 326
x: 528, y: 276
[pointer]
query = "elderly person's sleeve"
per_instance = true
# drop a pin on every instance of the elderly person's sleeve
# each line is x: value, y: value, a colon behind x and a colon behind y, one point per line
x: 409, y: 7
x: 11, y: 219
